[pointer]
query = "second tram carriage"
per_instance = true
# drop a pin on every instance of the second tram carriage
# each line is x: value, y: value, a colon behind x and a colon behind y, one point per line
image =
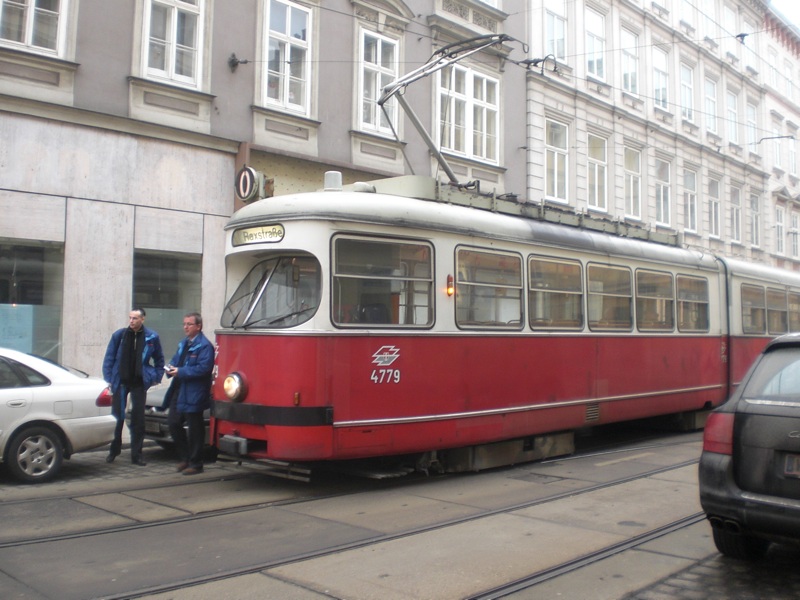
x: 397, y: 319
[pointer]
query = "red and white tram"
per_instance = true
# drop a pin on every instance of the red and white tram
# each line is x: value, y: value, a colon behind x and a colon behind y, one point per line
x: 396, y: 319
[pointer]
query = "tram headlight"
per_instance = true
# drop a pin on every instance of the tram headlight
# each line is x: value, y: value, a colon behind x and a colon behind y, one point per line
x: 234, y: 387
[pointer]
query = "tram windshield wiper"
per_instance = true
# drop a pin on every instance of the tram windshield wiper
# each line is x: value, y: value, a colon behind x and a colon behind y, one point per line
x: 275, y: 320
x: 291, y: 314
x: 232, y: 303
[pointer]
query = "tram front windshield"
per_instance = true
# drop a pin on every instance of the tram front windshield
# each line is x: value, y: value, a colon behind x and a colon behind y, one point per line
x: 278, y: 292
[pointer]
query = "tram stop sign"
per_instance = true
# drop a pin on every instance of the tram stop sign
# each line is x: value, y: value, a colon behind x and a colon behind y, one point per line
x: 249, y: 184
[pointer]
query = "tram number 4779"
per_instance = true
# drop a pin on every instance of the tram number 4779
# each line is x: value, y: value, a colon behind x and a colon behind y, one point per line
x: 385, y: 376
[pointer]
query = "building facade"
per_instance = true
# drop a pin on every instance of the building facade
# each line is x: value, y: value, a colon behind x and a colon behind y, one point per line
x: 123, y: 124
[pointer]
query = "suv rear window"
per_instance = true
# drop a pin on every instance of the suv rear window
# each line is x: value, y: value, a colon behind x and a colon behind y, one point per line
x: 777, y: 377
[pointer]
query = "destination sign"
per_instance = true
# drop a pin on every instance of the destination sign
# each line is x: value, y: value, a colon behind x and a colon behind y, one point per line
x: 265, y: 234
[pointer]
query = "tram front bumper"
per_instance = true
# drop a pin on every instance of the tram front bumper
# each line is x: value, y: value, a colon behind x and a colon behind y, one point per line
x: 232, y: 445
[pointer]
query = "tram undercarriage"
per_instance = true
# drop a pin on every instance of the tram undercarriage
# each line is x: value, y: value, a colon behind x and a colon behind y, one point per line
x: 452, y: 460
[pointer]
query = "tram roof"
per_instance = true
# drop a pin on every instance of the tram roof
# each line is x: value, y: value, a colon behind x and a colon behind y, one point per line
x: 473, y: 218
x: 762, y: 273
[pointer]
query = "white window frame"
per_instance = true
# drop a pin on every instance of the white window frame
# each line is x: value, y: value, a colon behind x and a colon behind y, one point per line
x: 687, y: 12
x: 788, y: 72
x: 555, y: 29
x: 732, y: 113
x: 469, y: 113
x: 34, y: 23
x: 710, y: 90
x: 752, y: 126
x: 750, y: 56
x: 375, y: 74
x: 597, y: 158
x: 777, y: 147
x: 275, y: 72
x: 595, y: 44
x: 690, y: 199
x: 755, y: 221
x: 794, y: 233
x: 736, y: 214
x: 172, y: 45
x: 630, y: 61
x: 709, y: 19
x: 714, y: 221
x: 792, y: 166
x: 687, y: 92
x: 556, y: 162
x: 661, y: 79
x: 729, y: 31
x: 663, y: 201
x: 633, y: 183
x: 780, y: 232
x: 774, y: 75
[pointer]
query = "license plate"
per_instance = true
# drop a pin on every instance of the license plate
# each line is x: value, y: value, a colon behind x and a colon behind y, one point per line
x: 151, y: 427
x: 792, y: 466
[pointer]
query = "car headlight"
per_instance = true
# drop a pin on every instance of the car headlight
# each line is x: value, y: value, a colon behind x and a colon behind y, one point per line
x: 234, y: 387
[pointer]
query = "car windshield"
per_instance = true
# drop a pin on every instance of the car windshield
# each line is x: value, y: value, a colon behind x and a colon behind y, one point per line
x: 777, y: 377
x: 276, y: 293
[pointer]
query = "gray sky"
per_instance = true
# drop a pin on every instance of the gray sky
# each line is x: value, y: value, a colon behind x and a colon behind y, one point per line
x: 789, y: 9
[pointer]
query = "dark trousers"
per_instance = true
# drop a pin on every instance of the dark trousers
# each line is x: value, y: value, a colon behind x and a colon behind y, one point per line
x: 138, y: 396
x: 189, y: 442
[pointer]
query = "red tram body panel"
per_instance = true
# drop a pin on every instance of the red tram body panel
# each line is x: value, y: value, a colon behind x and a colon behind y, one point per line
x: 408, y: 321
x: 453, y: 392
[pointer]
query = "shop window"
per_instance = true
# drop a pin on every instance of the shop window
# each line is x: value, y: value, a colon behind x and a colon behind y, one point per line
x: 167, y: 286
x: 31, y: 297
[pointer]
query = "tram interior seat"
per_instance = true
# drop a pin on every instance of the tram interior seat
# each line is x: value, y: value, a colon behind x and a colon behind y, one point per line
x: 374, y: 313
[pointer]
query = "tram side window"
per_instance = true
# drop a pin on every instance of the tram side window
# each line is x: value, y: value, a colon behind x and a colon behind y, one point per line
x: 692, y: 304
x: 777, y: 311
x: 655, y: 301
x: 610, y: 298
x: 555, y: 297
x: 382, y: 282
x: 753, y: 309
x: 794, y: 311
x: 488, y: 289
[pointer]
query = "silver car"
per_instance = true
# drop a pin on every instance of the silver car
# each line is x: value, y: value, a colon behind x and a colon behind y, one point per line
x: 48, y: 413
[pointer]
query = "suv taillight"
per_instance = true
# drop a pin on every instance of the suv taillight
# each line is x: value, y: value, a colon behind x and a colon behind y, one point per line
x: 718, y: 434
x: 106, y: 398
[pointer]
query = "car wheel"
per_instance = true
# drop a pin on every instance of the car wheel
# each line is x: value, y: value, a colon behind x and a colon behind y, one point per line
x: 166, y: 445
x: 740, y: 546
x: 35, y: 455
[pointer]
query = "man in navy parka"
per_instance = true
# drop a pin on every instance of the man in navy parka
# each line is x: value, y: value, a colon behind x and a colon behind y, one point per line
x: 134, y: 362
x: 189, y: 394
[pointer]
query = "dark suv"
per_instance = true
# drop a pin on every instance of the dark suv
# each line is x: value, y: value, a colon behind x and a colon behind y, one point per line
x: 750, y: 466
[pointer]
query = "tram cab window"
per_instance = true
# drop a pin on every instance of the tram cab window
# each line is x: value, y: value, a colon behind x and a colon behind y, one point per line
x: 655, y: 301
x: 382, y: 282
x: 277, y: 293
x: 692, y: 304
x: 556, y: 294
x: 777, y: 312
x: 610, y: 298
x: 488, y: 289
x: 753, y: 309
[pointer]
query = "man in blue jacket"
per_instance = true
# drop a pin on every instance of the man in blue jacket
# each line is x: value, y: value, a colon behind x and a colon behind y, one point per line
x: 189, y: 394
x: 133, y: 363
